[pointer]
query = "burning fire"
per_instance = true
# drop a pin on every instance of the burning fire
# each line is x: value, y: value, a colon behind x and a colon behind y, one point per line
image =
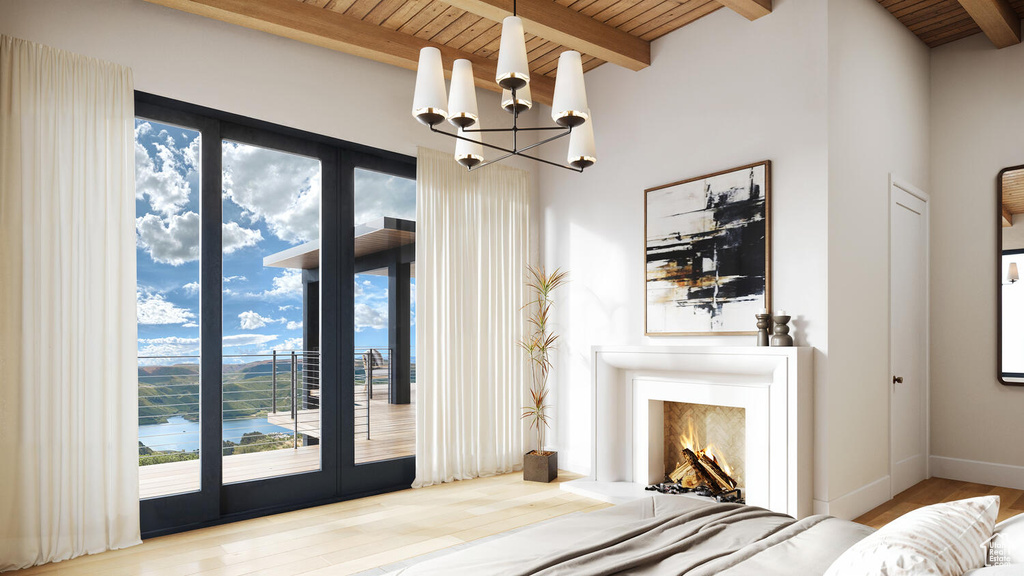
x: 690, y: 440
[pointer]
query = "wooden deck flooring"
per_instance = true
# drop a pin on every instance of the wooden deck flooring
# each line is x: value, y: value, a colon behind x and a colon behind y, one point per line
x: 392, y: 435
x: 343, y: 538
x: 935, y: 490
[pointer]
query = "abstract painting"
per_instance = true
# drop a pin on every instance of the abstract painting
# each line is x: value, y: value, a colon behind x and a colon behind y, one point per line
x: 708, y: 252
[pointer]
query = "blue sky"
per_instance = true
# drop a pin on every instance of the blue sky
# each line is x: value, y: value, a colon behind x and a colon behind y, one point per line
x: 271, y: 202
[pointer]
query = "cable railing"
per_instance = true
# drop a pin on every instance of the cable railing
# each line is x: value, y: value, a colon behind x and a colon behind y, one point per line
x: 277, y: 393
x: 372, y: 369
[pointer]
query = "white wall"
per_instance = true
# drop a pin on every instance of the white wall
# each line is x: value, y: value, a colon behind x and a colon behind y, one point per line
x: 878, y: 124
x: 722, y: 92
x: 238, y: 70
x: 836, y: 95
x: 977, y: 120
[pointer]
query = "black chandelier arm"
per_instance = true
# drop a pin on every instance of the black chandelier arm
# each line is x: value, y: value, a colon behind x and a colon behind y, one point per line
x: 513, y: 129
x: 506, y: 150
x: 485, y: 144
x: 542, y: 161
x: 545, y: 141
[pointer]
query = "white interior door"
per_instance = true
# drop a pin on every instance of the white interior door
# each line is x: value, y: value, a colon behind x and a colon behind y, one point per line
x: 908, y: 311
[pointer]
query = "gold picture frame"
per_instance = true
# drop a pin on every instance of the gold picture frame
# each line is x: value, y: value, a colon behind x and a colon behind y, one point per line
x: 707, y: 253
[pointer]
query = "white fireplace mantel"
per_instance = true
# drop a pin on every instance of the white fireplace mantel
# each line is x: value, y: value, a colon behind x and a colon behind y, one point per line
x: 773, y: 385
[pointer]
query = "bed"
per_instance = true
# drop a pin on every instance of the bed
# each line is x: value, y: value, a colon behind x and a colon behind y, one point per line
x: 659, y: 535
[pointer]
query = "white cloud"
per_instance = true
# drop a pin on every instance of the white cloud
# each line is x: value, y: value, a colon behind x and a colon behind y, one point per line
x: 174, y: 240
x: 291, y: 344
x: 234, y: 279
x: 237, y: 340
x: 190, y: 325
x: 367, y: 317
x: 192, y: 288
x: 160, y: 179
x: 250, y: 320
x: 293, y: 325
x: 191, y: 155
x: 281, y: 189
x: 287, y: 284
x: 152, y: 308
x: 235, y: 237
x: 287, y: 307
x: 168, y: 346
x: 379, y: 194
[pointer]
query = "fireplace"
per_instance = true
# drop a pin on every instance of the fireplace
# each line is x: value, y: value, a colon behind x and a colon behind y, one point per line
x: 711, y: 434
x: 768, y: 389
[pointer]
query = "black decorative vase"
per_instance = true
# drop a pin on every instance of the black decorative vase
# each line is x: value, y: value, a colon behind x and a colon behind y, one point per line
x: 540, y: 467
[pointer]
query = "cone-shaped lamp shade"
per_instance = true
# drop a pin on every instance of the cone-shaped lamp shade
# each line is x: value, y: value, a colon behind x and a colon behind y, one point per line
x: 462, y: 99
x: 522, y: 102
x: 569, y: 105
x: 1013, y: 275
x: 581, y: 145
x: 513, y: 68
x: 468, y: 153
x: 428, y: 101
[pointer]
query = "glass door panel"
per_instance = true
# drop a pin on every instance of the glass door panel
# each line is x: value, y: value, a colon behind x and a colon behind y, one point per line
x: 270, y: 302
x: 385, y: 391
x: 167, y: 258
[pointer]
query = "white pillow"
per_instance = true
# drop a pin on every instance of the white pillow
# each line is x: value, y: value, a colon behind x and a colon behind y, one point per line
x: 943, y: 539
x: 1008, y: 543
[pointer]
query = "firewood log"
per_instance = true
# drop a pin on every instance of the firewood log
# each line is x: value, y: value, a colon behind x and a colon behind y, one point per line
x: 684, y: 475
x: 704, y: 477
x: 725, y: 481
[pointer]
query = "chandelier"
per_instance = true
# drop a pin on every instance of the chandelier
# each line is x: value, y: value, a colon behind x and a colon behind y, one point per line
x: 569, y: 109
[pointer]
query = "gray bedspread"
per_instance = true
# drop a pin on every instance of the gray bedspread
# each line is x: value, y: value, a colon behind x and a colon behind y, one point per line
x: 660, y: 535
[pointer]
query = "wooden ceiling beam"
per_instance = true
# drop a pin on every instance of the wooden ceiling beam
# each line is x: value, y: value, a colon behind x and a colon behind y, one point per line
x: 335, y: 31
x: 1007, y: 217
x: 749, y: 9
x: 554, y: 22
x: 997, y: 19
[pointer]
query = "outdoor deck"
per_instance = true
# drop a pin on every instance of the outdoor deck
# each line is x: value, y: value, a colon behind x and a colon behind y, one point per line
x: 392, y: 435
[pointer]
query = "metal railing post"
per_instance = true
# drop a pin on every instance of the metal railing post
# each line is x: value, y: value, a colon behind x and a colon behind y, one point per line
x: 295, y: 411
x: 273, y: 370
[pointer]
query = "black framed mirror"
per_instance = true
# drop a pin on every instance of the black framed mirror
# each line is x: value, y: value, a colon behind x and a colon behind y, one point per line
x: 1010, y: 300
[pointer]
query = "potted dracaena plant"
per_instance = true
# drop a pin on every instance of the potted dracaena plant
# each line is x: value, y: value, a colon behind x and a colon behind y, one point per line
x: 540, y: 465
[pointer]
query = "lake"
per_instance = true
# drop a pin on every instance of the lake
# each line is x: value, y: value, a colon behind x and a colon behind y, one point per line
x: 180, y: 434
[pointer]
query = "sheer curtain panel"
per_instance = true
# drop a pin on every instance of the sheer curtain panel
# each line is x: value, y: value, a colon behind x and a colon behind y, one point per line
x: 472, y: 246
x: 68, y: 396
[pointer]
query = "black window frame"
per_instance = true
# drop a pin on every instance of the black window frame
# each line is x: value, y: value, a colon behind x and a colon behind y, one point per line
x: 340, y: 478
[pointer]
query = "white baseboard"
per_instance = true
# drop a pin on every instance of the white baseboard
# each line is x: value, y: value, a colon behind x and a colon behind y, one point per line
x: 856, y: 503
x: 989, y: 473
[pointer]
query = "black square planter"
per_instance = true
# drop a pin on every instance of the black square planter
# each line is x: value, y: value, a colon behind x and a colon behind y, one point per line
x: 540, y: 467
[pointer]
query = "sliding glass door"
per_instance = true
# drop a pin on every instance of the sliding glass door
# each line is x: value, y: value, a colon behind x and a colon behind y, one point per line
x: 381, y: 413
x: 269, y: 377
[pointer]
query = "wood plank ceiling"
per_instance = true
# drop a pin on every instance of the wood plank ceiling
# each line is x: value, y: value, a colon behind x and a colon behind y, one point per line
x: 1012, y: 187
x: 937, y: 22
x: 393, y: 31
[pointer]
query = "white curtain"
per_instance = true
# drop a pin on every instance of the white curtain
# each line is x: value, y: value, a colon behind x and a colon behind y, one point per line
x: 68, y: 382
x: 472, y: 247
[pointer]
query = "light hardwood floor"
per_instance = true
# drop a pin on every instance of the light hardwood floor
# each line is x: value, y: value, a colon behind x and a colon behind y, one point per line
x: 342, y: 538
x: 350, y: 537
x: 935, y: 490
